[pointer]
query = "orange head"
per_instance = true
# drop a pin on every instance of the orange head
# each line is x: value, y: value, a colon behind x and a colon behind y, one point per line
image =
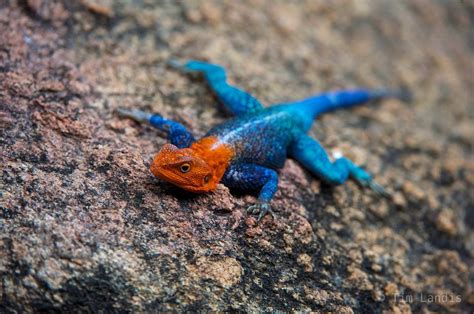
x: 195, y: 169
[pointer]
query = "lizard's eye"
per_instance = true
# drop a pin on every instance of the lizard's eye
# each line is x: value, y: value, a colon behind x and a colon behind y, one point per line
x: 207, y: 178
x: 185, y: 167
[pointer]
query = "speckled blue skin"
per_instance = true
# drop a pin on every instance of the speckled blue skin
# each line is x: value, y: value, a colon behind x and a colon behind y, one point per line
x: 263, y: 138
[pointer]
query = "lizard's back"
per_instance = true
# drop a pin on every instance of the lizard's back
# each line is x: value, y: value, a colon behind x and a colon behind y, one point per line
x: 262, y: 138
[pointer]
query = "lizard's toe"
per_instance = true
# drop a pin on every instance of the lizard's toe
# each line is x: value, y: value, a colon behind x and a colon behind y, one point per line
x: 174, y: 63
x: 251, y: 209
x: 261, y: 209
x: 377, y: 188
x: 183, y: 67
x: 380, y: 190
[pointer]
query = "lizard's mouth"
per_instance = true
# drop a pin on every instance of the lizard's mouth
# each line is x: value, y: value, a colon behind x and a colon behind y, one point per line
x: 189, y: 187
x: 170, y: 176
x: 183, y: 183
x: 194, y: 189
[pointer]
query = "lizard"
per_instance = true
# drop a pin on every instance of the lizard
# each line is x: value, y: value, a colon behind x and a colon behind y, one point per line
x: 247, y: 151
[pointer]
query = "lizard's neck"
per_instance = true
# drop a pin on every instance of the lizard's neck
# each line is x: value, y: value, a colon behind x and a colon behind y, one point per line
x: 216, y: 154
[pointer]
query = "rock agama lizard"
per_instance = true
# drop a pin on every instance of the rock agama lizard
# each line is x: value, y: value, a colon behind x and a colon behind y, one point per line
x: 246, y: 151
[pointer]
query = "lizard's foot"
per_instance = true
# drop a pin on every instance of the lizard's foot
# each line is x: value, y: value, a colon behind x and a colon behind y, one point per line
x: 377, y: 188
x: 175, y: 64
x: 262, y: 209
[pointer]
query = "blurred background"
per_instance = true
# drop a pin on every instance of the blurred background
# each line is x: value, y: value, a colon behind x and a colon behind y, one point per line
x: 85, y: 226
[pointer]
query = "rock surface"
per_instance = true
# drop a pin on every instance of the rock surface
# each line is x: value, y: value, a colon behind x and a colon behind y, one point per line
x: 85, y: 226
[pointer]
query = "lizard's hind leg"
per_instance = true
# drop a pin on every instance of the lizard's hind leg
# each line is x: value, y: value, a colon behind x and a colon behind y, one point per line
x: 309, y: 153
x: 237, y: 101
x: 177, y: 134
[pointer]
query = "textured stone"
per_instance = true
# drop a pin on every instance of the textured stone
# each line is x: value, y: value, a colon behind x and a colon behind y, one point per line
x: 85, y: 227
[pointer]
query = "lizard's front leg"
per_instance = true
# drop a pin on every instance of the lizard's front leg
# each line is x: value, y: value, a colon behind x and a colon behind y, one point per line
x: 237, y: 101
x: 177, y: 134
x: 252, y: 177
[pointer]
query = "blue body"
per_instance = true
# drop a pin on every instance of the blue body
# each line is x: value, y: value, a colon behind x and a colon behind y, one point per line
x: 263, y: 138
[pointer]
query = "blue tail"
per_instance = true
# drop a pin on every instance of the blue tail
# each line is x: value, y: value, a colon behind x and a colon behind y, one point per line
x: 326, y: 102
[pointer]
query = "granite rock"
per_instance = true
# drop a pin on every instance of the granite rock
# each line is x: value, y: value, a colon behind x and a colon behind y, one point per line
x: 84, y: 226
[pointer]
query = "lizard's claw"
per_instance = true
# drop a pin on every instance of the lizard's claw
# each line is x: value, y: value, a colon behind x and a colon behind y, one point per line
x: 377, y: 188
x: 185, y: 67
x: 175, y: 64
x: 262, y: 209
